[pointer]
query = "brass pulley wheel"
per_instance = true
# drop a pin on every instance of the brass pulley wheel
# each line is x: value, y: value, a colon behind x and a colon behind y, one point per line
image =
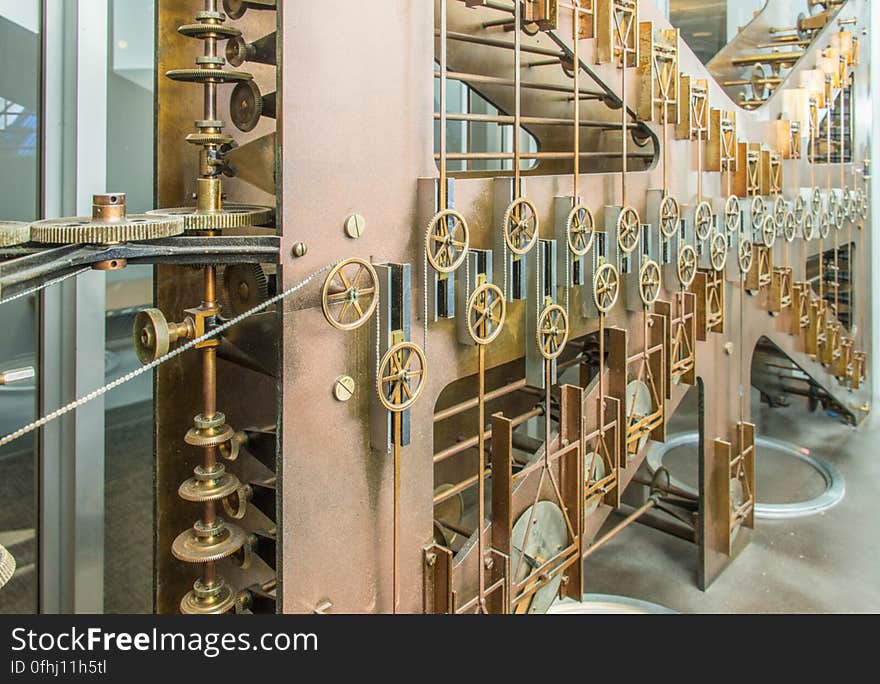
x: 800, y: 209
x: 703, y: 221
x: 606, y: 287
x: 687, y: 265
x: 745, y: 256
x: 401, y: 376
x: 486, y: 313
x: 833, y: 208
x: 849, y: 200
x: 447, y: 241
x: 789, y: 226
x: 350, y: 294
x: 758, y: 212
x: 521, y: 226
x: 629, y: 229
x: 780, y: 210
x: 840, y: 212
x: 732, y: 214
x: 718, y: 254
x: 649, y: 282
x: 824, y: 225
x: 670, y: 215
x: 810, y: 229
x: 863, y: 203
x: 816, y: 203
x: 580, y: 229
x: 552, y: 331
x: 768, y: 231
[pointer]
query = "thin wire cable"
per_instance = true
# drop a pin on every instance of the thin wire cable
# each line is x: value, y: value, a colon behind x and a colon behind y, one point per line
x: 91, y: 396
x: 39, y: 288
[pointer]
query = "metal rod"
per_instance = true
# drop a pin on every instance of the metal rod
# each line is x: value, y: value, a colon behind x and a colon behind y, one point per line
x: 471, y: 442
x: 512, y: 83
x: 529, y: 120
x: 461, y: 156
x: 463, y: 406
x: 622, y: 525
x: 481, y: 481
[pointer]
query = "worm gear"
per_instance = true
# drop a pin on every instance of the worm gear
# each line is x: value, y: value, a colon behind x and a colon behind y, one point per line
x: 108, y: 225
x: 13, y: 233
x: 246, y: 286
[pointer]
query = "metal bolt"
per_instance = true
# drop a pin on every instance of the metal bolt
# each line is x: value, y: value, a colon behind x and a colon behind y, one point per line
x: 430, y: 559
x: 728, y: 348
x: 488, y: 563
x: 355, y: 225
x: 343, y: 388
x: 300, y: 249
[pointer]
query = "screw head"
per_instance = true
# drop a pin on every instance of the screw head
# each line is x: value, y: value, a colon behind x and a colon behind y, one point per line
x: 300, y: 249
x: 354, y: 226
x: 343, y: 388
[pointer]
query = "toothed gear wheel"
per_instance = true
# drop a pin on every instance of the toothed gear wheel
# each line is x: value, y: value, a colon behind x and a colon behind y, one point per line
x: 219, y: 31
x: 208, y: 75
x: 7, y: 566
x: 89, y: 231
x: 246, y: 106
x: 189, y: 547
x: 216, y: 600
x: 13, y: 233
x: 246, y: 287
x: 231, y: 216
x: 209, y: 139
x: 198, y: 490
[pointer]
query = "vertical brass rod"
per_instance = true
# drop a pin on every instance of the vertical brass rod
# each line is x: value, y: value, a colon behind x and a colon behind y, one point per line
x: 443, y: 105
x: 395, y: 454
x: 576, y: 100
x: 623, y: 124
x: 517, y: 81
x: 481, y: 480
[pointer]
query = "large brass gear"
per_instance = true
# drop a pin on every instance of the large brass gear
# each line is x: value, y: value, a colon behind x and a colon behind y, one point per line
x: 670, y: 215
x: 687, y: 265
x: 552, y: 333
x: 521, y: 226
x: 703, y: 221
x: 229, y: 217
x: 606, y: 287
x: 629, y: 229
x: 14, y: 233
x: 486, y: 313
x: 580, y: 230
x: 718, y: 253
x: 401, y: 377
x: 649, y: 282
x: 447, y: 240
x: 199, y: 75
x: 193, y: 546
x: 89, y: 231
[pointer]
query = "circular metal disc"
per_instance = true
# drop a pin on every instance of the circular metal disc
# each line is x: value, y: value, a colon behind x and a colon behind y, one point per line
x: 88, y: 231
x: 231, y: 216
x: 13, y: 233
x: 547, y: 537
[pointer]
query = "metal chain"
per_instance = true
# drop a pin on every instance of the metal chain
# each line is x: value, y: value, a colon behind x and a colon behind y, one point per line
x: 425, y: 295
x: 538, y: 285
x: 91, y: 396
x: 38, y: 288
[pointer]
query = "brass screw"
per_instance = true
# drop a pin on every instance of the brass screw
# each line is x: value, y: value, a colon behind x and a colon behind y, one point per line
x: 355, y: 225
x: 343, y: 388
x: 430, y: 559
x: 300, y: 249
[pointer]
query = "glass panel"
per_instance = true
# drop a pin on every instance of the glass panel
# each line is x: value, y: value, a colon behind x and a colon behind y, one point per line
x: 128, y: 548
x: 20, y: 105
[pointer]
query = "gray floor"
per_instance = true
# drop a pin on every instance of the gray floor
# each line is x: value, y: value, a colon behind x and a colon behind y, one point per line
x: 825, y: 563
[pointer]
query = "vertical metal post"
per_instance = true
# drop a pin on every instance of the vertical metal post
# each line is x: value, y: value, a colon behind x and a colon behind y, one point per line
x: 72, y: 338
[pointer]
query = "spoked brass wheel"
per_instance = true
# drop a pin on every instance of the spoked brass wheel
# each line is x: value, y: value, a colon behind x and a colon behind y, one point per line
x: 703, y: 221
x: 732, y: 214
x: 521, y: 226
x: 833, y: 209
x: 580, y: 229
x: 401, y: 376
x: 350, y: 294
x: 780, y: 210
x: 789, y: 227
x: 800, y: 209
x: 810, y: 229
x: 768, y: 231
x: 447, y: 241
x: 606, y: 287
x: 649, y: 282
x: 670, y: 215
x: 718, y: 254
x: 744, y: 255
x: 824, y: 225
x: 552, y: 331
x: 687, y: 265
x: 816, y: 203
x: 758, y: 211
x: 629, y: 229
x: 486, y: 312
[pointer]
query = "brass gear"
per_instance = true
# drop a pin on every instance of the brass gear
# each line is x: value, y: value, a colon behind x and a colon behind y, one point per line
x: 810, y: 231
x: 816, y: 202
x: 780, y: 211
x: 393, y: 382
x: 687, y: 265
x: 246, y: 286
x: 703, y: 221
x: 446, y: 249
x: 732, y: 214
x: 230, y: 216
x: 13, y: 233
x: 649, y: 282
x: 768, y: 231
x: 89, y: 231
x: 483, y: 321
x: 800, y: 209
x: 745, y: 255
x: 190, y: 547
x: 521, y: 226
x: 208, y: 76
x: 629, y: 229
x: 347, y: 290
x: 670, y: 215
x: 758, y: 211
x: 203, y: 31
x: 606, y: 287
x: 216, y: 600
x: 789, y: 228
x: 824, y: 225
x: 718, y: 255
x: 580, y: 230
x: 246, y: 106
x: 552, y: 333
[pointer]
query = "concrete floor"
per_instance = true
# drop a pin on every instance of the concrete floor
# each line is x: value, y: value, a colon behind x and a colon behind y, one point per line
x: 829, y: 562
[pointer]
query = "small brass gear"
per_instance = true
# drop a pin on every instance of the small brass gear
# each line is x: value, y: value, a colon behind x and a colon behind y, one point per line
x: 816, y: 202
x: 486, y: 313
x: 732, y: 214
x: 758, y: 212
x: 229, y: 217
x: 203, y: 31
x: 824, y: 225
x: 780, y: 210
x: 246, y: 286
x: 208, y: 75
x: 246, y: 106
x: 13, y: 233
x: 649, y: 282
x: 800, y: 209
x: 745, y: 255
x: 401, y: 378
x: 768, y: 231
x: 606, y: 287
x: 789, y: 228
x: 552, y: 333
x: 580, y: 230
x: 810, y: 230
x: 201, y: 600
x: 670, y: 215
x: 89, y: 231
x: 447, y: 240
x: 718, y: 255
x: 521, y: 226
x: 629, y: 229
x: 194, y: 546
x: 703, y: 220
x: 687, y: 265
x: 351, y: 287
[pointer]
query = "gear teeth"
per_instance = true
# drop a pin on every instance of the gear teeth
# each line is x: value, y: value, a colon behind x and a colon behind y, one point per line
x: 208, y: 76
x: 231, y: 216
x: 13, y: 233
x: 220, y: 31
x: 7, y: 566
x: 87, y: 231
x: 190, y: 548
